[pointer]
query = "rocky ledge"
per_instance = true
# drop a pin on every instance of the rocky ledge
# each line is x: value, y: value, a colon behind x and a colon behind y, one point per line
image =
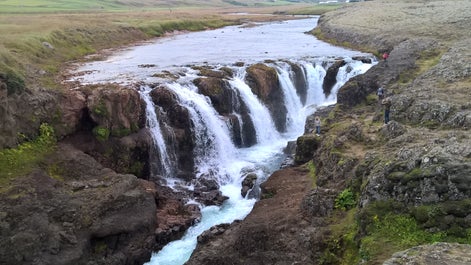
x: 72, y: 210
x: 364, y: 190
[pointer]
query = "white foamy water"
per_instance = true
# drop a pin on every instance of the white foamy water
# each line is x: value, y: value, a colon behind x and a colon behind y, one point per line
x: 216, y: 156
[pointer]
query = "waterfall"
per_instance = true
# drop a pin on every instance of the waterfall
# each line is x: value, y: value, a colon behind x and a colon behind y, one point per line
x: 166, y: 167
x: 202, y: 147
x: 295, y: 116
x: 216, y: 156
x: 214, y: 148
x: 349, y: 70
x: 264, y: 126
x: 315, y: 74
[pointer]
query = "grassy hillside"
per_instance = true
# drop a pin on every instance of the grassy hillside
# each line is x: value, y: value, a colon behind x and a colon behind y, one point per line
x: 34, y: 6
x: 76, y: 28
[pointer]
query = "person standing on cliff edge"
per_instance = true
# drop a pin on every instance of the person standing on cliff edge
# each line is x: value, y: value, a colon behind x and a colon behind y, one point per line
x: 380, y: 94
x: 317, y: 123
x: 385, y: 58
x: 387, y: 107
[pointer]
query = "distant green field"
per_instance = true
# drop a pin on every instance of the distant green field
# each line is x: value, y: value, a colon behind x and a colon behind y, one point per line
x: 41, y: 6
x: 20, y: 6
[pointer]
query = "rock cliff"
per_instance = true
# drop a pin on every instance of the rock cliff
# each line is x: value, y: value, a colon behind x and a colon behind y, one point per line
x: 72, y: 210
x: 86, y: 198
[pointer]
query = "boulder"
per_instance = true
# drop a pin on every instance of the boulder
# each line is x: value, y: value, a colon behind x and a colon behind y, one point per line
x: 117, y: 111
x: 218, y: 90
x: 174, y: 217
x: 248, y: 183
x: 306, y: 146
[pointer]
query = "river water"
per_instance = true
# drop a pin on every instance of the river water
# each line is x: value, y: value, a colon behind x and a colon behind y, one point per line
x: 284, y: 44
x: 283, y: 40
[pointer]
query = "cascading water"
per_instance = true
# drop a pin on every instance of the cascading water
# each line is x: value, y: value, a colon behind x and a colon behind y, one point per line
x: 295, y: 111
x: 351, y: 69
x: 214, y: 148
x: 315, y: 74
x: 166, y: 167
x: 265, y: 129
x: 216, y: 156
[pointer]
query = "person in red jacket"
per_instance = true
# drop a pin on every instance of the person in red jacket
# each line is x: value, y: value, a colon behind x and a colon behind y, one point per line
x: 385, y: 56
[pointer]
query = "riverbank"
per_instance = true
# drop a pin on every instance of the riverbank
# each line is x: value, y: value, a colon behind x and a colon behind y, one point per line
x: 378, y: 188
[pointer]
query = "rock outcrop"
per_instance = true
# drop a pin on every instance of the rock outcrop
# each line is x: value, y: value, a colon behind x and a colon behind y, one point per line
x: 436, y: 254
x: 73, y: 207
x: 74, y: 211
x: 273, y: 233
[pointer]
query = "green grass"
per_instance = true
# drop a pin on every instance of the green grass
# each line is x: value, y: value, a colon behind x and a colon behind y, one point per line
x: 341, y: 245
x: 392, y: 233
x: 21, y: 160
x: 13, y: 6
x: 389, y: 227
x: 51, y: 6
x: 312, y: 173
x: 345, y: 200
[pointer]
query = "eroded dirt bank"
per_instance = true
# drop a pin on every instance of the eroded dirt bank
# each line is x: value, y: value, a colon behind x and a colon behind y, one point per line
x: 412, y: 174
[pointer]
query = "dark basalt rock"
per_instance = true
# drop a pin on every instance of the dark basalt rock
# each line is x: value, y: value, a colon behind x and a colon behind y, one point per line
x: 330, y: 78
x: 217, y: 89
x: 248, y: 183
x: 306, y: 146
x: 82, y: 213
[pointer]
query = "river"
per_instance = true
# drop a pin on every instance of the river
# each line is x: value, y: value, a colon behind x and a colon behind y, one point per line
x: 281, y: 45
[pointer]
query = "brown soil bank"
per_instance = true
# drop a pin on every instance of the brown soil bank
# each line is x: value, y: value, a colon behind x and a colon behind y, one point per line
x: 378, y: 189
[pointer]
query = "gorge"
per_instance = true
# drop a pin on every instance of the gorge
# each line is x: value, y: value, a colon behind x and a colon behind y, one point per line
x: 114, y: 177
x: 214, y: 125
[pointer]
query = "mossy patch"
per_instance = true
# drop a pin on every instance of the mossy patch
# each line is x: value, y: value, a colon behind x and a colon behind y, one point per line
x: 101, y: 133
x: 312, y: 173
x: 391, y: 233
x: 136, y: 168
x: 100, y: 109
x: 121, y: 132
x: 345, y: 200
x: 388, y: 227
x: 341, y: 245
x: 55, y: 172
x: 21, y: 160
